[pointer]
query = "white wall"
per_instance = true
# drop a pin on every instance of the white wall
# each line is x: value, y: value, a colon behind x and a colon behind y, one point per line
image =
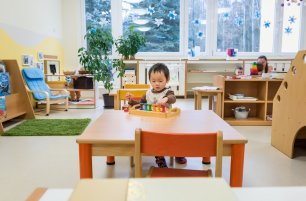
x: 43, y: 17
x: 73, y: 10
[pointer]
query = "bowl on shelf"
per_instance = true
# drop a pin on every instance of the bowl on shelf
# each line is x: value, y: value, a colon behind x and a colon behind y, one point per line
x: 69, y: 72
x: 241, y: 112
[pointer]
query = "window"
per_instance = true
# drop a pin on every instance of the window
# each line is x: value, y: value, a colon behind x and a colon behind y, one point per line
x: 197, y: 24
x: 239, y: 25
x: 158, y: 20
x: 98, y: 13
x: 211, y: 27
x: 291, y: 27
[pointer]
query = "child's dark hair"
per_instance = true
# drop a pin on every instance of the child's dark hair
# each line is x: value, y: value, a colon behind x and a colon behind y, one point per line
x: 160, y: 67
x: 263, y: 67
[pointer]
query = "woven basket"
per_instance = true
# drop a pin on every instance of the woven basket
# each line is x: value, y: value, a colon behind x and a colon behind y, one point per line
x: 69, y: 72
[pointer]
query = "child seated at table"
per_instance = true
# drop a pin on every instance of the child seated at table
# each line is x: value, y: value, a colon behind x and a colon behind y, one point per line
x: 159, y: 76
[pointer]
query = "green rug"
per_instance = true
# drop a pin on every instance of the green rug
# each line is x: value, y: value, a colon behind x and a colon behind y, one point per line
x: 49, y: 127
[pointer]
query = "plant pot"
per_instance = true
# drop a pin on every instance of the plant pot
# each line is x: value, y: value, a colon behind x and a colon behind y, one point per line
x: 132, y: 57
x: 108, y: 101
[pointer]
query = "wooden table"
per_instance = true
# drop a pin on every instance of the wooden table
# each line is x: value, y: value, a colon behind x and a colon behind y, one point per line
x: 198, y: 93
x: 112, y: 134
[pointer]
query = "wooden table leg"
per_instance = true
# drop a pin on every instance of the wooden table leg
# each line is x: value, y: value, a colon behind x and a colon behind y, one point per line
x: 199, y: 101
x: 219, y: 105
x: 237, y: 159
x: 85, y: 157
x: 195, y: 100
x: 110, y: 160
x: 210, y: 101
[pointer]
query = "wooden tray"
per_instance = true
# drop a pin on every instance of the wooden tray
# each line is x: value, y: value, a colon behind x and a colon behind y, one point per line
x: 169, y: 113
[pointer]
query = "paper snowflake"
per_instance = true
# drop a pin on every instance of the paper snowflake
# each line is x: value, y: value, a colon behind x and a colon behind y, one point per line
x: 172, y: 15
x: 226, y: 16
x: 291, y: 19
x: 288, y: 30
x: 238, y: 21
x: 151, y: 10
x: 200, y: 35
x: 196, y: 21
x: 267, y: 24
x: 103, y: 22
x: 158, y: 22
x: 257, y: 14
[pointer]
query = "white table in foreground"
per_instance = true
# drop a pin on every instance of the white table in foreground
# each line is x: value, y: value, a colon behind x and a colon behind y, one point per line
x: 170, y: 189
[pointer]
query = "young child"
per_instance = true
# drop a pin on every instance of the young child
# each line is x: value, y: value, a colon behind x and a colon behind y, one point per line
x: 159, y: 76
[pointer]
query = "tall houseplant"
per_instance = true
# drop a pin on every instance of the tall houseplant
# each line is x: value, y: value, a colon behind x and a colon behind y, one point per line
x: 95, y: 58
x: 129, y: 44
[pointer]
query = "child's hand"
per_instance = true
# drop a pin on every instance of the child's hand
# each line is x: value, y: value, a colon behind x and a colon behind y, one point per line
x: 129, y: 96
x: 163, y: 101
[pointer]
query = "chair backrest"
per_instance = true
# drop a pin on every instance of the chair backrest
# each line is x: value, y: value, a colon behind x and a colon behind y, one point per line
x: 178, y: 144
x: 34, y: 79
x: 137, y: 86
x: 137, y: 93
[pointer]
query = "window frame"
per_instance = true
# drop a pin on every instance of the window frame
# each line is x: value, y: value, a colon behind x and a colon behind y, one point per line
x: 211, y: 34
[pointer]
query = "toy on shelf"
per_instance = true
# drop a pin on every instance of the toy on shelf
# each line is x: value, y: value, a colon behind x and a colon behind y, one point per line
x: 153, y: 110
x: 254, y: 70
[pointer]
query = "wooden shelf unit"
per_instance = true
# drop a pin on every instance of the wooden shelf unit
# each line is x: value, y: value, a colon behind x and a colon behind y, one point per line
x: 17, y: 103
x: 264, y: 90
x: 94, y: 91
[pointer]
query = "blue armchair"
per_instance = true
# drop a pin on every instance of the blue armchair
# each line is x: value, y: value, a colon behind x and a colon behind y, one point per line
x: 41, y: 92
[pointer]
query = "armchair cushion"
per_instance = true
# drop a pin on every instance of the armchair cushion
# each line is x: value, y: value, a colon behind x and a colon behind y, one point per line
x: 34, y: 78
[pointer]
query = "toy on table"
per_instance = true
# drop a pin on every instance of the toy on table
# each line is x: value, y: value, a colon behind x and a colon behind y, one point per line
x: 254, y: 70
x: 153, y: 110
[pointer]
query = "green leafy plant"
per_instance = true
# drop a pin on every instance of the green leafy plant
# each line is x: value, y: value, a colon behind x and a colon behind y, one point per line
x: 129, y: 44
x: 95, y: 58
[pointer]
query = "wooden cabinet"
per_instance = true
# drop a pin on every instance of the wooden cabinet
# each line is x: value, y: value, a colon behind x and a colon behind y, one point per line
x: 201, y: 72
x: 18, y: 104
x: 263, y: 90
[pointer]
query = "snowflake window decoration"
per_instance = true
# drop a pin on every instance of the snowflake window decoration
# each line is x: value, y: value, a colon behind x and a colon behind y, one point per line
x: 172, y: 15
x: 288, y: 30
x: 238, y: 21
x: 292, y: 19
x: 267, y: 24
x: 226, y: 16
x: 196, y: 21
x: 158, y: 22
x: 103, y: 22
x: 200, y: 35
x: 151, y: 10
x: 257, y: 14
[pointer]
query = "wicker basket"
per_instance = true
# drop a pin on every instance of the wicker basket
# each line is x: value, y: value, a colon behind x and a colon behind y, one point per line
x: 69, y: 72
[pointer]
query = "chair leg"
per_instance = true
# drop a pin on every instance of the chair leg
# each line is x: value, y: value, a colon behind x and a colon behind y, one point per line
x: 66, y: 104
x: 171, y: 160
x: 131, y: 161
x: 47, y: 109
x: 206, y: 160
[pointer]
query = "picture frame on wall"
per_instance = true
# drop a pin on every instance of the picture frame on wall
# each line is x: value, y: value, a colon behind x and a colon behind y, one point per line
x: 40, y: 65
x: 31, y: 60
x: 40, y: 56
x: 52, y: 70
x: 25, y: 60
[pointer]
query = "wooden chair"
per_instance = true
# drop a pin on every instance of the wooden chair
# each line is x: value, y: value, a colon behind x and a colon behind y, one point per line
x: 137, y: 93
x: 34, y: 78
x: 137, y: 86
x: 178, y: 144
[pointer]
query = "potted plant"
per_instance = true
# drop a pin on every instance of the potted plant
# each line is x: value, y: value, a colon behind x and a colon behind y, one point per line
x: 95, y: 59
x: 130, y: 44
